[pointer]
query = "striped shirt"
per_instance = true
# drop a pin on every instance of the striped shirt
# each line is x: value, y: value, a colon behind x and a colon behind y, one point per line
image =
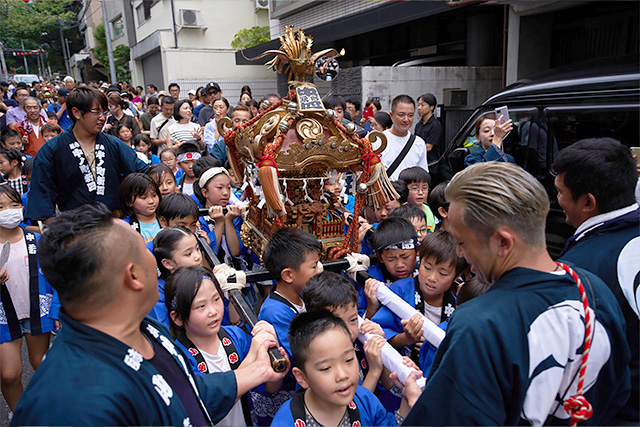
x: 182, y: 132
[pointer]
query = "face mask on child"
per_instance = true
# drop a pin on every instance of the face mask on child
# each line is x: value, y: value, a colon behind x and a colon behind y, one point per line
x: 10, y: 218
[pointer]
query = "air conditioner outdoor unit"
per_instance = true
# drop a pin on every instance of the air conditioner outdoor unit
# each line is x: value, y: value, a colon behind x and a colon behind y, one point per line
x: 191, y: 18
x: 262, y: 4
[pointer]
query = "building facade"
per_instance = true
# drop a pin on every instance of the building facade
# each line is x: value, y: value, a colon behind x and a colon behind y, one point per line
x: 189, y: 42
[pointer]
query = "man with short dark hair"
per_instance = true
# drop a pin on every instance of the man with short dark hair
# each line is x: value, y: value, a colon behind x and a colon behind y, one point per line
x: 110, y: 365
x: 161, y: 122
x: 240, y: 115
x: 206, y: 113
x: 400, y: 141
x: 596, y: 183
x: 429, y: 127
x: 339, y: 105
x: 83, y: 165
x: 35, y: 87
x: 153, y: 106
x: 206, y: 100
x: 17, y: 114
x: 4, y: 89
x: 174, y: 90
x: 353, y: 108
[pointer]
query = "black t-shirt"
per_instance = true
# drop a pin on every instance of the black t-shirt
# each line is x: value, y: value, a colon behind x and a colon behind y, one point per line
x: 179, y: 383
x: 431, y: 132
x: 205, y: 115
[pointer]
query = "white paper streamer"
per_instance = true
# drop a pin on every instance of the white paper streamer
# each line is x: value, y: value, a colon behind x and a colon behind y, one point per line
x: 323, y: 198
x: 430, y: 331
x: 304, y: 188
x: 391, y: 359
x: 343, y: 192
x: 286, y: 193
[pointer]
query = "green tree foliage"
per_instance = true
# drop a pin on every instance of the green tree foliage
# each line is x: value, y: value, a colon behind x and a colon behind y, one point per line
x: 121, y: 55
x: 249, y: 37
x: 36, y: 24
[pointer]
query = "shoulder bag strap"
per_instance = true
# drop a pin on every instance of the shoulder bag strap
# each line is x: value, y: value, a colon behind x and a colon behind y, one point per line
x: 162, y: 125
x: 401, y: 156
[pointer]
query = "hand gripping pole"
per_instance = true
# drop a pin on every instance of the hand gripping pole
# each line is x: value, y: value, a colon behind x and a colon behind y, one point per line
x: 232, y: 291
x: 391, y: 359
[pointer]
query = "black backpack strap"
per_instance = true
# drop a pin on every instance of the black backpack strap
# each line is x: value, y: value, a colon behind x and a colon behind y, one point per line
x: 34, y: 289
x: 405, y: 150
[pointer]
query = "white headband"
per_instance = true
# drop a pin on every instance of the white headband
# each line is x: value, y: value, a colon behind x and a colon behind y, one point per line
x: 210, y: 173
x: 188, y: 156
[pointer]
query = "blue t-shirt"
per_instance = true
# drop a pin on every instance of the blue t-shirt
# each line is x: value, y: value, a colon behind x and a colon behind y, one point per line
x: 64, y: 121
x: 149, y: 230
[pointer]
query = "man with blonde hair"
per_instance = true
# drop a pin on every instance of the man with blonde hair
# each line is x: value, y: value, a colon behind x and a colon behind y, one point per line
x: 512, y: 355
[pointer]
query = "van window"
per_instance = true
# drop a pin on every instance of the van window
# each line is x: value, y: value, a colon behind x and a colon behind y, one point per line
x: 517, y: 141
x: 571, y: 124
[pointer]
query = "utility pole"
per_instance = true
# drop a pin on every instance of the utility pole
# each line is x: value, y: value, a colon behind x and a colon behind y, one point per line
x: 64, y: 51
x: 107, y: 36
x: 3, y: 71
x: 26, y: 66
x: 66, y: 42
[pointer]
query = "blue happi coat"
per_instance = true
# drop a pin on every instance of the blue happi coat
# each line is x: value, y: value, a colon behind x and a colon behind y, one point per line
x: 608, y: 245
x: 40, y: 296
x: 372, y: 413
x: 91, y: 378
x: 509, y: 353
x: 57, y: 179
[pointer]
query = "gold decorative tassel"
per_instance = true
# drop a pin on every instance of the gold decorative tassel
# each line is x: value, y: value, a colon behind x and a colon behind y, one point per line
x: 268, y: 174
x: 379, y: 188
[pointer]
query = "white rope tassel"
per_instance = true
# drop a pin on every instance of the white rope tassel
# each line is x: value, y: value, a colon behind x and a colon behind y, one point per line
x: 357, y: 262
x: 430, y: 331
x: 223, y: 275
x: 391, y: 359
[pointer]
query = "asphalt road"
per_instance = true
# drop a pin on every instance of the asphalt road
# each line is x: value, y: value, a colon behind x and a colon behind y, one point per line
x: 27, y: 373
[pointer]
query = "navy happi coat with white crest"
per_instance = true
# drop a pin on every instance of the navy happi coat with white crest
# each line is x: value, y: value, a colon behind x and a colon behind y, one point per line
x: 91, y: 378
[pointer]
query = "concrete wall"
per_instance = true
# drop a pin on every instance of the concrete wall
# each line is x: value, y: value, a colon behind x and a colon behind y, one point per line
x: 388, y: 82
